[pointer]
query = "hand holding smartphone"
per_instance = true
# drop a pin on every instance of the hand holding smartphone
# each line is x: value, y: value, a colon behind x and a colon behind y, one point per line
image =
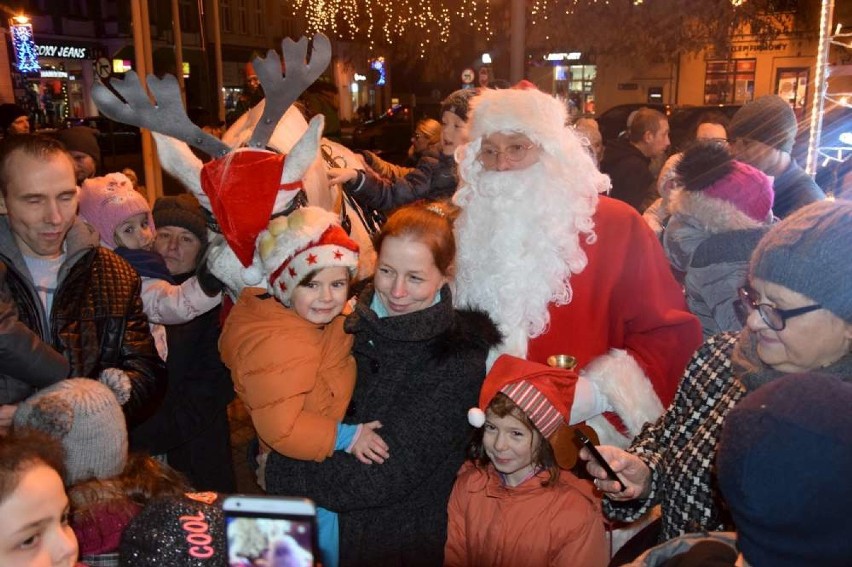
x: 596, y: 455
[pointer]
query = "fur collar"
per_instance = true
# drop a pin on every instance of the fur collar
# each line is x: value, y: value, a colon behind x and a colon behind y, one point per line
x: 711, y: 214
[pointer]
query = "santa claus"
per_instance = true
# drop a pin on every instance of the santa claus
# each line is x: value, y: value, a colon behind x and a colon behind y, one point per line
x: 563, y: 269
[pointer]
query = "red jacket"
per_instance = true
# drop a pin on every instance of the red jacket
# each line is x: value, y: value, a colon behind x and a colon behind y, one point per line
x: 626, y: 298
x: 524, y: 526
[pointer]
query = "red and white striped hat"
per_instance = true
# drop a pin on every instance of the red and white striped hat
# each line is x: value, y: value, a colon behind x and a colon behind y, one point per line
x: 544, y: 394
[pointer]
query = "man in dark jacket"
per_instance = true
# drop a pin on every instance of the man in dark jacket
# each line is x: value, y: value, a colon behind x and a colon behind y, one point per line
x: 75, y: 295
x: 627, y: 162
x: 762, y: 134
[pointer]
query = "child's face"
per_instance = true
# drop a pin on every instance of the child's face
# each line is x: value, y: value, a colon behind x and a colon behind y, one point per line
x: 323, y: 298
x: 35, y: 531
x: 452, y: 127
x: 135, y: 233
x: 510, y: 445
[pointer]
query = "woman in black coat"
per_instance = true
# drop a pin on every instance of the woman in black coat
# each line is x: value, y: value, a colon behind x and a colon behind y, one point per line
x: 420, y: 367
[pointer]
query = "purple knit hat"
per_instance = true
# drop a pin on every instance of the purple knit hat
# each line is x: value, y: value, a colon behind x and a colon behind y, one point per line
x: 108, y: 201
x: 747, y: 188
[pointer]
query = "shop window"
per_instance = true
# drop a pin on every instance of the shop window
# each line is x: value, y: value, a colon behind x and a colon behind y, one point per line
x: 729, y: 81
x: 792, y: 86
x: 575, y: 85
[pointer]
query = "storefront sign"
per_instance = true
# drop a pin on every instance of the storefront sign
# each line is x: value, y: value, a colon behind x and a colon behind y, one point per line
x: 754, y: 47
x: 63, y: 51
x: 53, y: 74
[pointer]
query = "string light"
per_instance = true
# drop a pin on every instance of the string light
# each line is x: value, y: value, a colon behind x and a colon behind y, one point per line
x: 432, y: 21
x: 387, y: 21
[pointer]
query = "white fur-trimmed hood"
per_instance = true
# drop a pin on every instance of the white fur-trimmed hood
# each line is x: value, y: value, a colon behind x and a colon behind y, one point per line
x: 711, y: 214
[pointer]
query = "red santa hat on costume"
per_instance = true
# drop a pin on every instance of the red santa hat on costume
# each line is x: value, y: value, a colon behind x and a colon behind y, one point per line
x: 307, y: 240
x: 544, y: 394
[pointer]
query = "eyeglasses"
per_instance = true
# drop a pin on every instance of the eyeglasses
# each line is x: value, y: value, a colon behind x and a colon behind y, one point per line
x: 775, y: 319
x: 515, y: 152
x: 719, y: 141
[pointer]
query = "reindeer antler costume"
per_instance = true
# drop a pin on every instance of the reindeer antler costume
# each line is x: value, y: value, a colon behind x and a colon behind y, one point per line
x: 242, y: 187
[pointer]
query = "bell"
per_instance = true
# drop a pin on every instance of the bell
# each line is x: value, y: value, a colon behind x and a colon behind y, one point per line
x: 565, y: 361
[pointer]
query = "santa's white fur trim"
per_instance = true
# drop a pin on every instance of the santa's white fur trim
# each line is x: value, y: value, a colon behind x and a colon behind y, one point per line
x: 624, y: 384
x: 607, y: 433
x: 476, y: 417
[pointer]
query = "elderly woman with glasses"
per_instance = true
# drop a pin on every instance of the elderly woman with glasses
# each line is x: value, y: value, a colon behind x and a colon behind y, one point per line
x: 798, y: 309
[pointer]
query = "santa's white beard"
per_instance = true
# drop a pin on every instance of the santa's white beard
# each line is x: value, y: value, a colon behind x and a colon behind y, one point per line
x: 518, y: 242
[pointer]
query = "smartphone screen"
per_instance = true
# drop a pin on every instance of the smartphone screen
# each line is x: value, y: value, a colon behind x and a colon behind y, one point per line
x: 264, y: 531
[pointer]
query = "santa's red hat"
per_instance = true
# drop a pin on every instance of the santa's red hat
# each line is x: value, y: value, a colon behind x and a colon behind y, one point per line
x: 307, y: 240
x: 544, y: 394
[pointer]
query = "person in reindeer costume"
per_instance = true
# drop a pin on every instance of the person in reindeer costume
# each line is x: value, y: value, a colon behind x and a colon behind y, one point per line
x: 259, y: 169
x: 564, y: 270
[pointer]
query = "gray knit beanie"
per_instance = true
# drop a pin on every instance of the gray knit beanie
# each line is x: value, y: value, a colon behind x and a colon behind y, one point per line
x: 809, y: 252
x: 769, y: 120
x: 85, y: 416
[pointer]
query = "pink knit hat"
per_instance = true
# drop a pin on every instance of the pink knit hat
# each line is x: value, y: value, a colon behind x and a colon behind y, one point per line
x: 108, y: 201
x: 708, y: 168
x: 747, y: 188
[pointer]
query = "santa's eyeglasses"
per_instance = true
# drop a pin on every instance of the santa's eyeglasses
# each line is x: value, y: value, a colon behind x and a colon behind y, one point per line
x: 775, y: 319
x: 489, y: 156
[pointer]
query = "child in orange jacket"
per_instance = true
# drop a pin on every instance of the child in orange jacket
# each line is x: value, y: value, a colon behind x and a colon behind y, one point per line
x: 511, y: 504
x: 289, y: 356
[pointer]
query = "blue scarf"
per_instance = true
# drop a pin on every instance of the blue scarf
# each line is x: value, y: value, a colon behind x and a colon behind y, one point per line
x: 147, y: 264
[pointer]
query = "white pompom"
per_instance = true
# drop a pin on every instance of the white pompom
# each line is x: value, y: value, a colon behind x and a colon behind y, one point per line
x: 476, y: 417
x: 252, y: 275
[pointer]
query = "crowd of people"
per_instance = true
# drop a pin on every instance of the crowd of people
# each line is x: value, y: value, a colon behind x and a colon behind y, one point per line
x: 694, y: 319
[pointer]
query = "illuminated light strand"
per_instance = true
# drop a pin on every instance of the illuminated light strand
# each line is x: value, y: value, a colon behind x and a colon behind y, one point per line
x: 387, y: 20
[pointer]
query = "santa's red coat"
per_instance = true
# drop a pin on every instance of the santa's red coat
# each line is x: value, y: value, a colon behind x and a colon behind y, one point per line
x: 626, y: 298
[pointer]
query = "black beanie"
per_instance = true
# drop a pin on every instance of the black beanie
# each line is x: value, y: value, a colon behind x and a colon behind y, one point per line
x: 182, y: 211
x: 783, y: 464
x: 9, y: 112
x: 81, y: 139
x: 178, y: 532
